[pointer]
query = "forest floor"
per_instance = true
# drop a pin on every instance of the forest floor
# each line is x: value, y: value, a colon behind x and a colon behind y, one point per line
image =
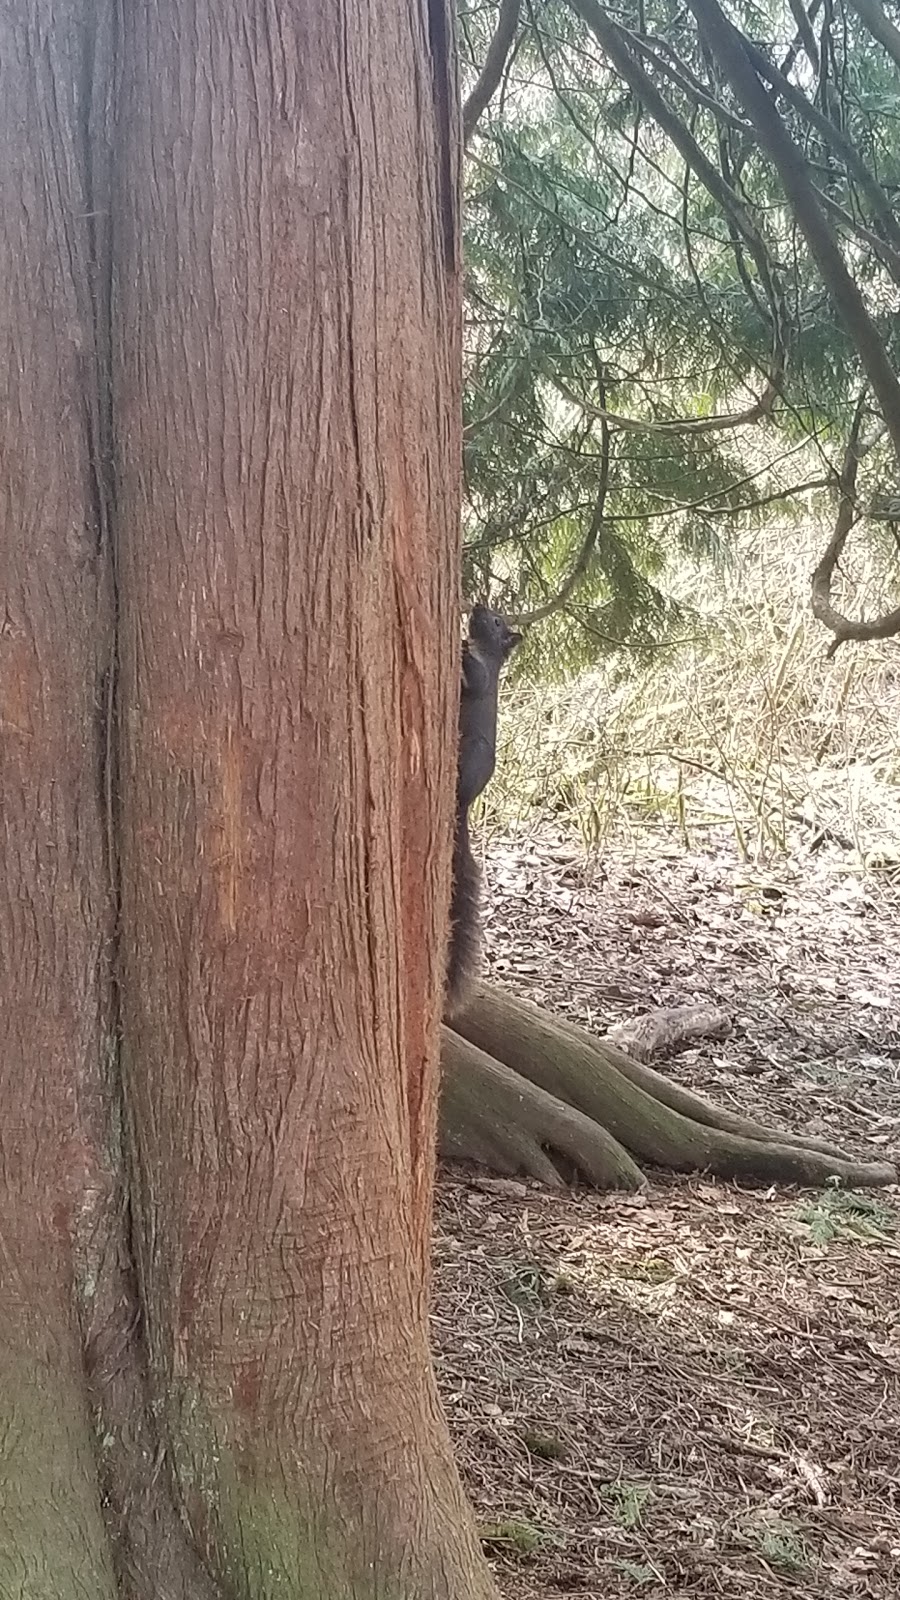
x: 695, y: 1390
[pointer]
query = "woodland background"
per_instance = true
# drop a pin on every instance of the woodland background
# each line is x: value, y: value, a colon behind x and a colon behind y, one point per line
x: 265, y: 283
x: 697, y: 801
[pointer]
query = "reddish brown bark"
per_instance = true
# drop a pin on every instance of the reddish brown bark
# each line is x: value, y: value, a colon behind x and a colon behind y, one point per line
x: 286, y: 307
x: 54, y: 902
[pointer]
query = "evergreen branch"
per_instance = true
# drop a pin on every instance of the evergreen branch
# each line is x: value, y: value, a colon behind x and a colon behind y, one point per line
x: 611, y: 40
x: 727, y: 45
x: 880, y: 26
x: 678, y: 72
x: 831, y: 134
x: 595, y: 526
x: 887, y: 255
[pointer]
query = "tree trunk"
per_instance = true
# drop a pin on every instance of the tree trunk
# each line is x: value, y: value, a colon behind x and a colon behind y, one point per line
x: 232, y: 359
x: 55, y: 908
x: 285, y: 391
x: 527, y: 1092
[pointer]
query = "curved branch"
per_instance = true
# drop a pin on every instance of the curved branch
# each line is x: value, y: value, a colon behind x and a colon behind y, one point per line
x: 733, y: 419
x: 843, y: 628
x: 494, y: 62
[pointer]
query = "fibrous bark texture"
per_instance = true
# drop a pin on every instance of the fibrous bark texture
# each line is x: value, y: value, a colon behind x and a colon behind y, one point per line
x: 54, y: 902
x: 228, y: 692
x: 285, y: 392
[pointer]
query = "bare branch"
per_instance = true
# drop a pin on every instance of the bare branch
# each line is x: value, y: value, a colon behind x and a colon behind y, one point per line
x: 794, y: 49
x: 492, y: 71
x: 843, y: 628
x: 805, y: 33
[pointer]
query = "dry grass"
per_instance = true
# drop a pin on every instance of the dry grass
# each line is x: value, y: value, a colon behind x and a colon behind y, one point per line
x: 745, y: 724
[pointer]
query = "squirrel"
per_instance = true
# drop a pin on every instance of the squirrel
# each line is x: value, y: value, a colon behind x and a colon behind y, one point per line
x: 489, y: 644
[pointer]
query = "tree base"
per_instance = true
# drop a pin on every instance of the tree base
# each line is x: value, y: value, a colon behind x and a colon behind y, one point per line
x: 527, y: 1093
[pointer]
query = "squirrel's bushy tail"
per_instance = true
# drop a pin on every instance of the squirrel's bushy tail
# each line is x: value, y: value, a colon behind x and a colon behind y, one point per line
x: 464, y: 955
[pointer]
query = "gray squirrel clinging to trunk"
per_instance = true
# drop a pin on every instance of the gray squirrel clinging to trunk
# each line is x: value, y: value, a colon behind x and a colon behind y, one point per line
x: 488, y: 646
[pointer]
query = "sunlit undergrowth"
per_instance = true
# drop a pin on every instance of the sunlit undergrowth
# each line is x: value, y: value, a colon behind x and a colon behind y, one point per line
x: 744, y: 723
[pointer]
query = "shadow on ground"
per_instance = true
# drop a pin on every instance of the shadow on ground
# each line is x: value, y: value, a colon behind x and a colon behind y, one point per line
x: 695, y: 1390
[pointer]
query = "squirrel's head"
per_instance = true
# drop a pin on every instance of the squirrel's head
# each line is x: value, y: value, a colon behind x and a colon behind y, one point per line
x: 491, y: 632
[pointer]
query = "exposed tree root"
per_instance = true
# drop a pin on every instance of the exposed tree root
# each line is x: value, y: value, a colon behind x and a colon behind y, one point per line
x: 492, y: 1115
x: 511, y: 1069
x: 699, y: 1110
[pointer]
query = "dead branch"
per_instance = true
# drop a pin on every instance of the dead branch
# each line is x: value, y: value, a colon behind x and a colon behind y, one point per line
x: 662, y: 1031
